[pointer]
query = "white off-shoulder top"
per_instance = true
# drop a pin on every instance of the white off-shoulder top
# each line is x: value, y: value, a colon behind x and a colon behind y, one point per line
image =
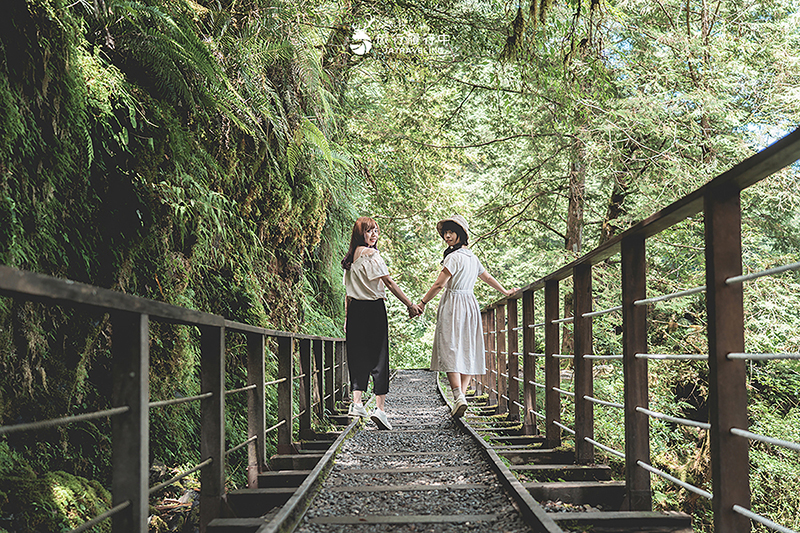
x: 363, y: 280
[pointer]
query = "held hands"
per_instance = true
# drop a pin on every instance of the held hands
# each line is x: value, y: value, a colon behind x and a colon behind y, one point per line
x: 415, y: 310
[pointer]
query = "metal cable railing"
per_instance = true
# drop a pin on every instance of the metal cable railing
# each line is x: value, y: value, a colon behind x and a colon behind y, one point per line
x: 719, y: 204
x: 131, y: 317
x: 672, y: 296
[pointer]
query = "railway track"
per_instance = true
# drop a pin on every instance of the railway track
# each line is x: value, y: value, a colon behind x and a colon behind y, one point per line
x: 435, y: 474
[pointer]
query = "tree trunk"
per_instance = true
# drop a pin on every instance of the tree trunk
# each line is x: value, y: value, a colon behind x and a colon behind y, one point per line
x: 577, y: 189
x: 614, y: 210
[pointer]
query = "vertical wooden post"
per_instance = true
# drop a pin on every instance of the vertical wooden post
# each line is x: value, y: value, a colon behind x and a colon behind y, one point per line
x: 480, y: 381
x: 501, y: 358
x: 340, y: 378
x: 256, y: 409
x: 635, y: 374
x: 212, y: 416
x: 330, y: 381
x: 529, y: 426
x: 320, y: 377
x: 305, y: 389
x: 491, y: 367
x: 552, y: 367
x: 727, y: 394
x: 285, y: 394
x: 584, y: 381
x: 130, y: 431
x: 513, y: 361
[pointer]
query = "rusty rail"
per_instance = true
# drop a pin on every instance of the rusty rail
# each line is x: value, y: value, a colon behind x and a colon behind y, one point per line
x: 719, y: 201
x: 130, y: 320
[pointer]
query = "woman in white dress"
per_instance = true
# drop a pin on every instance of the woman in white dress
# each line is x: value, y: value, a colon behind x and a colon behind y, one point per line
x: 366, y: 324
x: 458, y: 340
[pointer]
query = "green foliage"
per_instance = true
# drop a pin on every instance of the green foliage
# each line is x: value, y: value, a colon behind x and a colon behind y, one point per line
x: 216, y: 159
x: 53, y: 501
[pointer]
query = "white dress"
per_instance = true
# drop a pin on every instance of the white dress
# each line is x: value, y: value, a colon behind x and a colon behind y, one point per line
x: 458, y: 340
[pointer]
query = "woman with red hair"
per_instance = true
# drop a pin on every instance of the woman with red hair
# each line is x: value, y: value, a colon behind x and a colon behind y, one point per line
x: 366, y: 325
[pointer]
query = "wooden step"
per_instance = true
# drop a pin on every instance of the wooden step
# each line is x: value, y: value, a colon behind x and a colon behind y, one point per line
x: 519, y: 456
x: 625, y: 521
x: 296, y: 461
x: 565, y: 472
x: 235, y: 525
x: 339, y: 420
x: 495, y: 424
x: 499, y: 431
x: 517, y: 440
x: 605, y: 494
x: 319, y: 445
x: 251, y: 503
x: 282, y: 478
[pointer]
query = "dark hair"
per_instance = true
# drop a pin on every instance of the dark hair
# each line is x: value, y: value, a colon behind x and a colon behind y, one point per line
x: 360, y: 228
x: 458, y: 230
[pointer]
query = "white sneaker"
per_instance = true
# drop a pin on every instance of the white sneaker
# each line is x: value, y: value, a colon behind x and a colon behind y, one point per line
x: 379, y: 417
x: 357, y: 410
x: 459, y: 407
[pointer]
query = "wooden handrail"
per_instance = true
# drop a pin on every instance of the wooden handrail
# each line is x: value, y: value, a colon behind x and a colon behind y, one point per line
x: 719, y: 201
x: 130, y: 318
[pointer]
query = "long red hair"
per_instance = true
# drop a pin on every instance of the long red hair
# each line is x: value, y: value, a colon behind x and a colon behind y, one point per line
x: 360, y: 229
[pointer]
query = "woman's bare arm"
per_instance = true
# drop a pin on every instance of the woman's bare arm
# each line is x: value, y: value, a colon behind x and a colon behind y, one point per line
x: 488, y: 278
x: 437, y: 286
x: 397, y: 291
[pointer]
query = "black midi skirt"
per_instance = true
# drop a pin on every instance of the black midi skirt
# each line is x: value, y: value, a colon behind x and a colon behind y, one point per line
x: 367, y: 339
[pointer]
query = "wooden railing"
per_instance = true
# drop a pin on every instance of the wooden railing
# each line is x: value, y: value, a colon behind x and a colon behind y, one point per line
x: 719, y: 202
x: 321, y: 362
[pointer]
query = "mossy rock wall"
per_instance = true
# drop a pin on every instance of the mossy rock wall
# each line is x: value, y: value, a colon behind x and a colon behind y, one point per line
x: 109, y: 177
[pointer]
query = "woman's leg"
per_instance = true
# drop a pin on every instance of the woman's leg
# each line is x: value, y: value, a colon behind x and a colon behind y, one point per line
x: 455, y: 383
x: 465, y: 381
x: 357, y: 396
x: 459, y: 399
x: 379, y: 342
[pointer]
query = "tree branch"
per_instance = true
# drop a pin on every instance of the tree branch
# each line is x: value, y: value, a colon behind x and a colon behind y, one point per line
x: 485, y: 143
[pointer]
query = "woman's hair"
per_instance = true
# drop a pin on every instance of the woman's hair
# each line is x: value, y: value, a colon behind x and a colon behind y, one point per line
x: 360, y: 228
x: 458, y: 230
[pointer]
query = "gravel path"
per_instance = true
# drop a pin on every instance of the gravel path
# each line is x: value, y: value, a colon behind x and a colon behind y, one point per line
x: 422, y: 476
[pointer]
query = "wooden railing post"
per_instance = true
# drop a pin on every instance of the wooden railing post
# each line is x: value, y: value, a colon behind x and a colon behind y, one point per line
x: 513, y: 361
x: 330, y: 370
x: 306, y: 393
x: 727, y: 394
x: 319, y: 366
x: 212, y: 417
x: 552, y: 368
x: 635, y: 375
x: 491, y: 367
x: 529, y: 426
x: 341, y: 379
x: 130, y: 431
x: 256, y: 409
x: 584, y: 380
x: 480, y: 381
x: 285, y: 394
x: 501, y: 358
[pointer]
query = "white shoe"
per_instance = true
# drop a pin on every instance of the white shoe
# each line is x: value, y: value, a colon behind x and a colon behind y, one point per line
x: 379, y: 417
x: 459, y: 407
x: 357, y: 410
